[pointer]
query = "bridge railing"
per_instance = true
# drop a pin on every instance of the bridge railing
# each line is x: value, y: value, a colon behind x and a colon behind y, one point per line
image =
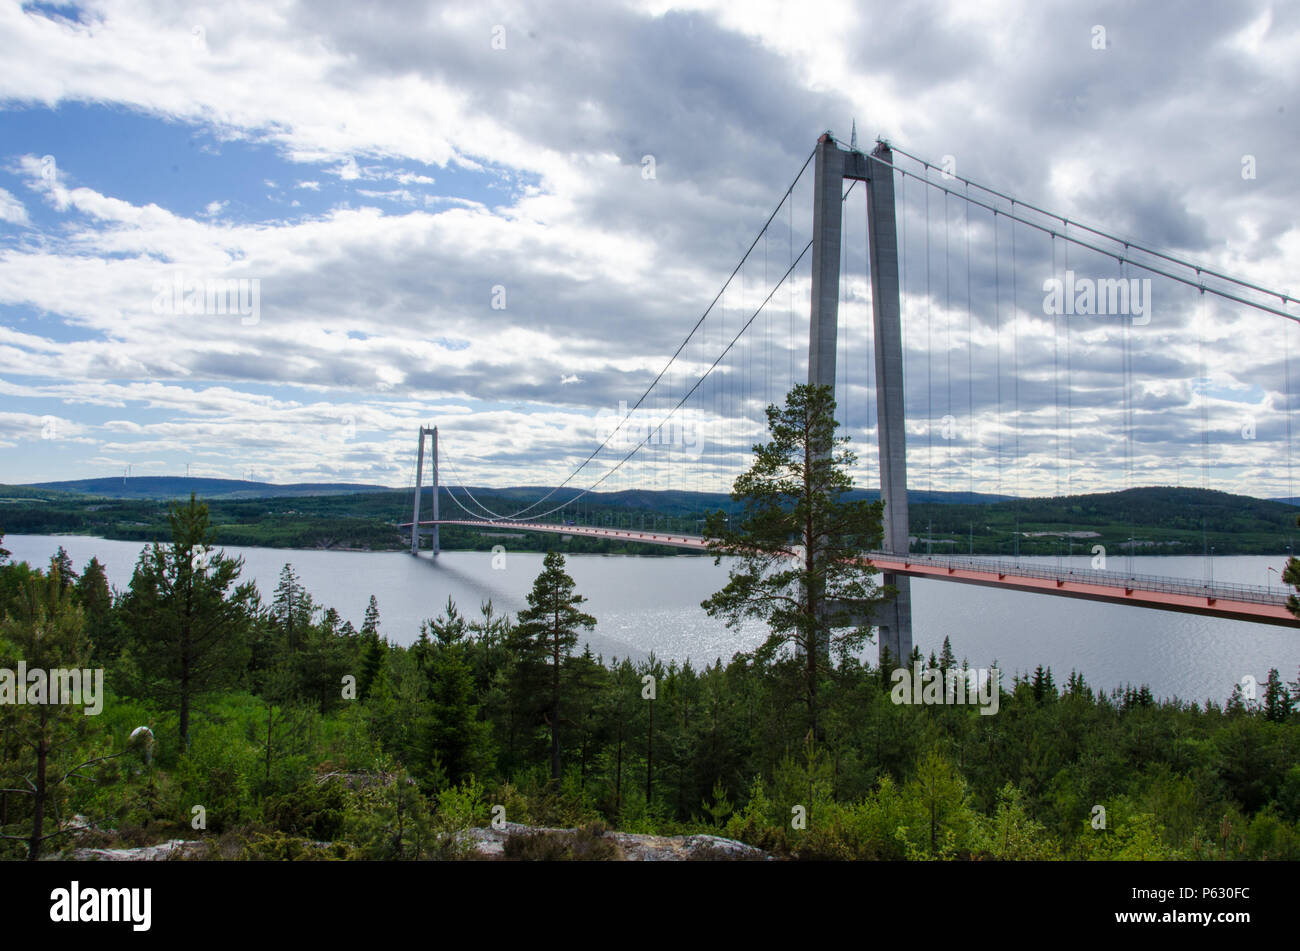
x: 1256, y: 594
x: 1227, y: 591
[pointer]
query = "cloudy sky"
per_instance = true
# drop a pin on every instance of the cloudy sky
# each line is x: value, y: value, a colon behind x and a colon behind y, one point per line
x: 503, y: 219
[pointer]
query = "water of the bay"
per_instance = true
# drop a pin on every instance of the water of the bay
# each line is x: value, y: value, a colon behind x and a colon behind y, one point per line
x: 653, y: 604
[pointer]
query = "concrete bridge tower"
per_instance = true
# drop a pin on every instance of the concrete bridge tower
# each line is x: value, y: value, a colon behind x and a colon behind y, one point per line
x: 419, y: 487
x: 832, y: 166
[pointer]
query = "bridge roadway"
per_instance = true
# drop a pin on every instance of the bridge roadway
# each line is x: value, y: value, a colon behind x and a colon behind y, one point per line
x: 1234, y: 601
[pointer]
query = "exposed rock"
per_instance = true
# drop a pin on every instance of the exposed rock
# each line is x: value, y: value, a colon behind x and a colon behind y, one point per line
x: 163, y: 852
x: 490, y: 843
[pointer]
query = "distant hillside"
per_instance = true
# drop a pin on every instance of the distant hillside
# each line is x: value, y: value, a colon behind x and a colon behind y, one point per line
x: 1152, y: 520
x: 180, y: 487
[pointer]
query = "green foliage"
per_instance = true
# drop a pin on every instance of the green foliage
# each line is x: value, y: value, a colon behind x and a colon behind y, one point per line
x: 393, y: 820
x: 188, y: 627
x: 798, y: 542
x: 546, y: 633
x: 1012, y: 834
x: 464, y: 720
x: 589, y: 843
x: 1138, y: 838
x: 281, y: 847
x: 44, y: 744
x: 219, y: 775
x: 316, y: 809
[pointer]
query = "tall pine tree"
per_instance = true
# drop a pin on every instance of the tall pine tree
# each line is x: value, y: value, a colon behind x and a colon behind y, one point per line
x: 546, y: 633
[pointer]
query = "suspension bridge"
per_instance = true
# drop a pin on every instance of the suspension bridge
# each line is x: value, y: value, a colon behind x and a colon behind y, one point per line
x: 883, y: 308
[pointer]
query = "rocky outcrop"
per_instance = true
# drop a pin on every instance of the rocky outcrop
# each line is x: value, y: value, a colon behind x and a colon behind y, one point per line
x: 163, y: 852
x: 490, y: 843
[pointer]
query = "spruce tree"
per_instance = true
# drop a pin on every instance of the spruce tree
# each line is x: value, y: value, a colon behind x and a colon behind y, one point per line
x: 371, y: 650
x: 188, y: 620
x: 96, y: 602
x: 1277, y: 701
x: 61, y: 567
x: 451, y: 732
x: 292, y: 608
x: 947, y: 659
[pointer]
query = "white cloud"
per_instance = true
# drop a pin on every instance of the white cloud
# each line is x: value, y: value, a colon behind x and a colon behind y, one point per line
x: 11, y: 209
x: 604, y: 271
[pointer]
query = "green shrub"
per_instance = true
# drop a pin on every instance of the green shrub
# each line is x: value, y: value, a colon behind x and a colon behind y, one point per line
x: 588, y: 843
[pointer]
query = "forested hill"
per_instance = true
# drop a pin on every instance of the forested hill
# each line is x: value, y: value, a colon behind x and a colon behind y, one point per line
x: 1156, y: 520
x: 180, y: 487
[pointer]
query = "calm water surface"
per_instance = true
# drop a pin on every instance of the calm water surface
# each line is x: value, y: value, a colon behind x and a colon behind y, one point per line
x: 653, y: 604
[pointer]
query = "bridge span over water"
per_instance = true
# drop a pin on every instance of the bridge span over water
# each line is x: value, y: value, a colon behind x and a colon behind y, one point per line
x: 1213, y: 599
x: 695, y: 421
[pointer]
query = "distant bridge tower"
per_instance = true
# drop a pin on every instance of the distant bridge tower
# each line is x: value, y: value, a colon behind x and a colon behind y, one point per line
x: 833, y: 165
x: 419, y: 487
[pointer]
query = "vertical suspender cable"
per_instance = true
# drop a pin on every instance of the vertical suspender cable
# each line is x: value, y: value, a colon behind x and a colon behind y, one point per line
x: 970, y: 354
x: 1056, y: 376
x: 997, y: 332
x: 903, y: 296
x: 929, y: 347
x: 1069, y: 405
x: 949, y: 430
x: 1015, y: 330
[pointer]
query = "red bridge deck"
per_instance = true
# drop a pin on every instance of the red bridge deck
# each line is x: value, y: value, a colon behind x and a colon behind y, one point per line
x: 1237, y: 602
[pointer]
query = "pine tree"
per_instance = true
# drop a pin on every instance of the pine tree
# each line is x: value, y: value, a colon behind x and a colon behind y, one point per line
x: 799, y: 543
x: 940, y: 791
x: 546, y: 633
x: 188, y: 622
x: 42, y: 626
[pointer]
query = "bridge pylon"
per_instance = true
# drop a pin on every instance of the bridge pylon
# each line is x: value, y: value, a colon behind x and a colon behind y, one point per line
x: 833, y: 165
x: 419, y: 487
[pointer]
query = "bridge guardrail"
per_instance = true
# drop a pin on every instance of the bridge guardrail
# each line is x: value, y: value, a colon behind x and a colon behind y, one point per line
x: 1219, y: 590
x: 1255, y: 594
